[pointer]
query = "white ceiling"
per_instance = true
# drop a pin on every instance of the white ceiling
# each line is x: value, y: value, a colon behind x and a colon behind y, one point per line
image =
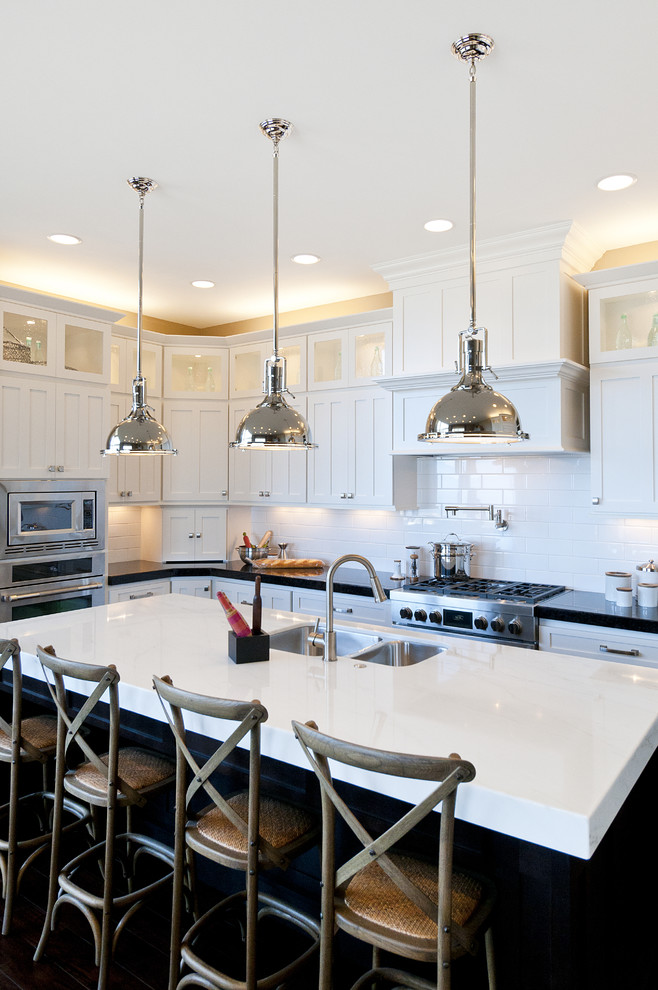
x: 95, y: 92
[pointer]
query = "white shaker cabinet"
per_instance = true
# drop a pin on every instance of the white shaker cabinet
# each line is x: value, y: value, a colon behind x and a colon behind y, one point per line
x: 192, y: 533
x: 353, y: 465
x: 242, y: 593
x: 261, y: 477
x: 599, y: 642
x: 197, y: 587
x: 52, y: 428
x: 133, y: 479
x: 199, y: 472
x: 140, y: 589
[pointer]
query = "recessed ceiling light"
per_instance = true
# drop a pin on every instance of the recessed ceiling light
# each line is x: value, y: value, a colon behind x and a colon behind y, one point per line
x: 305, y: 259
x: 438, y: 226
x: 203, y: 283
x: 64, y: 239
x: 613, y: 183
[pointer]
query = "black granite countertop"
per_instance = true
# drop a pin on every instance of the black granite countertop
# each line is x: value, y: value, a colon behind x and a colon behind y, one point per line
x: 595, y: 610
x: 349, y: 580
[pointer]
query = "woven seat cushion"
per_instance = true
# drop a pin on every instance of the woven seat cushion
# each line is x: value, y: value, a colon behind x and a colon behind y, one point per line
x: 280, y: 823
x: 139, y: 768
x: 372, y: 895
x: 40, y: 731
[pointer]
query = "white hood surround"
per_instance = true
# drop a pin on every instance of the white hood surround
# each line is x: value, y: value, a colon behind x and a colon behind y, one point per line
x: 536, y: 316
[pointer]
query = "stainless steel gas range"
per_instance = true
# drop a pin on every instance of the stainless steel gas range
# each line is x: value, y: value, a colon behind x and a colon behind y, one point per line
x: 501, y: 611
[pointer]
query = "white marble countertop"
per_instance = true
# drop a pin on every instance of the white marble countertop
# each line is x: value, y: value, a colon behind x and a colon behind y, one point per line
x: 557, y: 741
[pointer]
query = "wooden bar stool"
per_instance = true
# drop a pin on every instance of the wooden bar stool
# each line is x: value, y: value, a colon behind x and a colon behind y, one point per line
x: 390, y: 899
x: 120, y: 778
x: 29, y: 740
x: 246, y: 831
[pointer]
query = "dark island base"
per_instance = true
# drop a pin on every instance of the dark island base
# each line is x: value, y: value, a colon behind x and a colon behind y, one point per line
x: 561, y: 923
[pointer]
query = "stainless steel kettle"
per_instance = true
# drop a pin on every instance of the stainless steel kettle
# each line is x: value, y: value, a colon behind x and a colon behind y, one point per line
x: 452, y: 558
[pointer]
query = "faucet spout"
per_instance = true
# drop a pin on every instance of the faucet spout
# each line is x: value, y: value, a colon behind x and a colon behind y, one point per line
x: 378, y: 594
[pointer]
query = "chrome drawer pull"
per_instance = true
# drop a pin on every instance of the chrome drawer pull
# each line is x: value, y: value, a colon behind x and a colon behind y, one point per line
x: 348, y: 611
x: 147, y: 594
x: 621, y: 653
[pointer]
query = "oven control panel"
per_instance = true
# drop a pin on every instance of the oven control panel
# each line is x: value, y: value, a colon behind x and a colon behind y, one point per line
x: 510, y: 622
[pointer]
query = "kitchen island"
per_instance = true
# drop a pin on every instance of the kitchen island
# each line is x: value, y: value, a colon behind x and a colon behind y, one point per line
x: 560, y: 747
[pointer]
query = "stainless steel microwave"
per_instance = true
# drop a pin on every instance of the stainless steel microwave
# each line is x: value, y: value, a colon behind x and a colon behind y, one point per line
x: 47, y: 517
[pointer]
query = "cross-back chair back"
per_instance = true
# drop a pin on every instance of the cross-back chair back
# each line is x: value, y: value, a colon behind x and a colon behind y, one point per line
x: 244, y: 831
x: 101, y: 780
x: 30, y: 740
x: 384, y: 895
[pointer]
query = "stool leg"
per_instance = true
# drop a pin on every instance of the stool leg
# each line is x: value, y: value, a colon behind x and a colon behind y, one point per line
x: 58, y: 806
x: 10, y: 873
x: 491, y: 960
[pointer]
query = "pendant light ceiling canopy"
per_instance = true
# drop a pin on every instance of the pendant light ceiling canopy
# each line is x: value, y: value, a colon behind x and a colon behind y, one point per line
x: 139, y: 432
x: 274, y: 424
x: 472, y: 412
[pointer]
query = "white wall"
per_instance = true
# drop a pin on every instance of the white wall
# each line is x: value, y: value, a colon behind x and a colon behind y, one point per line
x: 553, y: 536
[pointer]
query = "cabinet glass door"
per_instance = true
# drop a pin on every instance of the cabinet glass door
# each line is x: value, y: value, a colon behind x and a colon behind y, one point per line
x: 369, y: 352
x: 25, y: 340
x: 194, y: 374
x: 84, y: 350
x: 624, y: 321
x: 327, y: 360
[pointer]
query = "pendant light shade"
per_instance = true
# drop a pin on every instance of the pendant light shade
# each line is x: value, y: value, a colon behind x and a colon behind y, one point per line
x: 472, y: 412
x: 274, y: 424
x: 139, y: 432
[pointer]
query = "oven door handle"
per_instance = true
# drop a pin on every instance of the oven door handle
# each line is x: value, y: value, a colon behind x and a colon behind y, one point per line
x: 50, y: 591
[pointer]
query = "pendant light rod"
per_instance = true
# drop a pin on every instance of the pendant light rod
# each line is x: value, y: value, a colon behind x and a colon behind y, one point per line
x: 276, y: 129
x: 472, y: 91
x: 142, y: 186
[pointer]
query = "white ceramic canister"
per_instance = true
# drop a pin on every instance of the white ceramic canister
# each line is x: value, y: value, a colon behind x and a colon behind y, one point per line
x: 625, y: 597
x: 647, y: 595
x: 646, y: 573
x: 613, y: 580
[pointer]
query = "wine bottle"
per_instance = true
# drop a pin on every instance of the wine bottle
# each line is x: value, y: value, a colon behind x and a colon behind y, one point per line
x: 257, y: 608
x: 623, y: 340
x: 235, y: 620
x: 652, y: 339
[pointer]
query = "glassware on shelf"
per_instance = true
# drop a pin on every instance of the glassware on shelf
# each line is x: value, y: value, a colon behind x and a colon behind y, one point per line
x: 623, y: 340
x: 652, y: 339
x: 376, y: 365
x: 210, y: 380
x: 338, y: 369
x: 38, y: 356
x: 190, y: 379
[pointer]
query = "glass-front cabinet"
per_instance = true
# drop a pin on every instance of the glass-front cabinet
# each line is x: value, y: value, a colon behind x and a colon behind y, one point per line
x: 194, y: 373
x: 623, y: 312
x: 248, y: 365
x: 42, y: 343
x: 369, y: 352
x: 123, y: 365
x: 351, y: 356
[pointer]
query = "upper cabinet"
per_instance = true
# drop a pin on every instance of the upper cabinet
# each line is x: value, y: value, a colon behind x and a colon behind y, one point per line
x: 39, y: 342
x: 123, y: 365
x: 349, y: 356
x: 623, y: 312
x: 195, y: 372
x: 247, y: 365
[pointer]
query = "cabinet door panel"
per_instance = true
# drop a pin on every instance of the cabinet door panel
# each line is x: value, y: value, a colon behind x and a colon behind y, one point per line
x: 211, y: 524
x: 373, y: 440
x: 178, y: 539
x: 82, y: 429
x: 329, y: 474
x: 199, y: 470
x: 213, y: 452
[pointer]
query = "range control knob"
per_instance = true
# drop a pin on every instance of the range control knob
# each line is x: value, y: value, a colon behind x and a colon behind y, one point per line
x: 498, y: 624
x: 405, y: 613
x: 515, y: 627
x: 420, y: 614
x: 435, y: 617
x: 480, y: 622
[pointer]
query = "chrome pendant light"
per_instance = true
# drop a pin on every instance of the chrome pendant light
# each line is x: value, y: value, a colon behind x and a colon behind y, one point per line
x: 472, y: 412
x: 139, y: 432
x: 273, y: 424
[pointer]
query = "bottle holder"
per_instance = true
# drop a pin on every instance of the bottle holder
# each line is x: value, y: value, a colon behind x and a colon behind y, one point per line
x: 248, y: 649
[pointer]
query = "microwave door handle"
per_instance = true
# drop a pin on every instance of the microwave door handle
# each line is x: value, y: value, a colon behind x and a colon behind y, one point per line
x: 50, y: 591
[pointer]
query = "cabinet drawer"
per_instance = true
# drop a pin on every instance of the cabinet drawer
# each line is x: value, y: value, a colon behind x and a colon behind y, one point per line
x: 347, y: 608
x: 143, y: 589
x: 599, y: 642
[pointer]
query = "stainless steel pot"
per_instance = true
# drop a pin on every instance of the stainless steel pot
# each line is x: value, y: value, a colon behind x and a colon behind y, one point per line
x: 452, y: 558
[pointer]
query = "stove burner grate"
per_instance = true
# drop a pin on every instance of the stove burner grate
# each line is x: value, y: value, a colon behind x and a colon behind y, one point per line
x: 486, y: 588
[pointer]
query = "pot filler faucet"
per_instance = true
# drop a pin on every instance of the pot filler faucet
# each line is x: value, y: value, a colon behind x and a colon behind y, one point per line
x: 377, y: 593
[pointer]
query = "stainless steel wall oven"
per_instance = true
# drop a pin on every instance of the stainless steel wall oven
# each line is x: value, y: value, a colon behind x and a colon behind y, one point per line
x: 52, y: 547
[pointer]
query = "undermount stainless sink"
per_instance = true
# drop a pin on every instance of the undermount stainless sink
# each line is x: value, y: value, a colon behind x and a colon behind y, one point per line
x: 398, y: 652
x: 301, y: 640
x: 359, y: 645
